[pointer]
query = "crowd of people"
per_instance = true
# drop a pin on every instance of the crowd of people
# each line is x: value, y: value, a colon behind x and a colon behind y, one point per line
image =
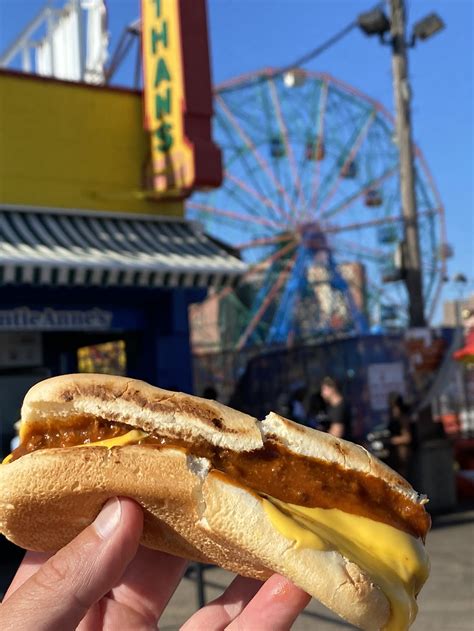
x: 326, y: 409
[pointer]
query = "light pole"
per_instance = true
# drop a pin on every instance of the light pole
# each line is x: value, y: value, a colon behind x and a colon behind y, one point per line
x: 375, y: 22
x: 460, y: 282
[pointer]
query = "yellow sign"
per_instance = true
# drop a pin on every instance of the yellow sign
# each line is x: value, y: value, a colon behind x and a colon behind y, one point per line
x: 177, y: 96
x: 171, y: 159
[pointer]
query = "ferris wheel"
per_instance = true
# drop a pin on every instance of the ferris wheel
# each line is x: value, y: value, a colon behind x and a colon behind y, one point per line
x: 310, y: 199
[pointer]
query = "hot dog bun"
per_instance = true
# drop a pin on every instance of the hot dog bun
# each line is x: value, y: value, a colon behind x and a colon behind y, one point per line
x: 200, y: 519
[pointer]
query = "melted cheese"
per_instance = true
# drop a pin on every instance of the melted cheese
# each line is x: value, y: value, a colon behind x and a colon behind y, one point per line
x: 396, y: 561
x: 130, y: 438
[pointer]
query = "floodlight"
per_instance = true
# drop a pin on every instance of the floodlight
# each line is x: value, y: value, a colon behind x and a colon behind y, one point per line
x: 428, y: 26
x: 459, y: 278
x: 374, y: 22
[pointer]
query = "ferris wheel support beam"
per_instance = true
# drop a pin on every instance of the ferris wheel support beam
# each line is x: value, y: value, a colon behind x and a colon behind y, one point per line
x: 260, y: 161
x: 225, y: 122
x: 344, y: 205
x: 358, y: 248
x: 271, y: 259
x: 282, y: 326
x: 205, y: 208
x: 358, y: 318
x: 323, y: 99
x: 359, y: 139
x: 251, y: 191
x: 256, y: 243
x: 238, y: 195
x: 373, y: 222
x: 288, y: 148
x: 265, y: 304
x: 259, y: 266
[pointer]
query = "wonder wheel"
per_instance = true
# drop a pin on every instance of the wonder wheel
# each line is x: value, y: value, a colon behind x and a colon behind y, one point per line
x: 311, y: 201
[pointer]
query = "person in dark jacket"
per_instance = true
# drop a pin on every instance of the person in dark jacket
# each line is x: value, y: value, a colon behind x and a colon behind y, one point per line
x: 401, y: 439
x: 338, y: 411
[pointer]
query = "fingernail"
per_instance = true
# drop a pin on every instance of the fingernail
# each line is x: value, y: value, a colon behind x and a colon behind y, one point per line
x: 108, y: 518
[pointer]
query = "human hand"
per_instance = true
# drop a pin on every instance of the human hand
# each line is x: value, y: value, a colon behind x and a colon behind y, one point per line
x: 104, y: 580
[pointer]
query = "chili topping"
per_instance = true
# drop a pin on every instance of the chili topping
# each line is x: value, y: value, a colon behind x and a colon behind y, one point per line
x: 271, y: 470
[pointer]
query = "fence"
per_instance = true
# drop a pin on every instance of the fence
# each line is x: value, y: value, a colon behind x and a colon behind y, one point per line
x: 367, y: 367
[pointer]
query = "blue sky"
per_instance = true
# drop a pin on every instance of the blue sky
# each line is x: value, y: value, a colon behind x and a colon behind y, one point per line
x: 249, y: 34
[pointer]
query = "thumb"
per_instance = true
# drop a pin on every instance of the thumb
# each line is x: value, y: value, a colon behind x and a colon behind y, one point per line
x: 59, y: 595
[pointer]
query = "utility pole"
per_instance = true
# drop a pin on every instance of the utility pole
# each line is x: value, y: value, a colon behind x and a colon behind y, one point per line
x: 402, y: 95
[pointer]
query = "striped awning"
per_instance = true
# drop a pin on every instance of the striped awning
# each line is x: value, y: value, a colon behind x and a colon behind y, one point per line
x: 103, y: 249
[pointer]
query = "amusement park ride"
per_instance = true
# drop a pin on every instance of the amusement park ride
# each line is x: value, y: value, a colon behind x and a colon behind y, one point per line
x: 310, y: 199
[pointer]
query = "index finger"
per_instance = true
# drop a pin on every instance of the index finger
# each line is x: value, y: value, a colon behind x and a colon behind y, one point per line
x: 275, y: 607
x: 149, y: 582
x: 31, y: 563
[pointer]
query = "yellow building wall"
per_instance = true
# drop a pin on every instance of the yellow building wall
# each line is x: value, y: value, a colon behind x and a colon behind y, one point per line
x: 67, y: 145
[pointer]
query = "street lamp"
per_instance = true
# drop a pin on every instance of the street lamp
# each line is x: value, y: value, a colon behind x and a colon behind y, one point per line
x: 427, y: 27
x: 460, y: 279
x: 375, y: 22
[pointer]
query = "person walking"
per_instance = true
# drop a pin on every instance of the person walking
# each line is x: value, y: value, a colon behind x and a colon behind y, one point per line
x: 338, y: 411
x: 401, y: 439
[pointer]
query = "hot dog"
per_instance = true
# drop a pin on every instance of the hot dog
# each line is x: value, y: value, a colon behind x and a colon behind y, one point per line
x: 219, y: 486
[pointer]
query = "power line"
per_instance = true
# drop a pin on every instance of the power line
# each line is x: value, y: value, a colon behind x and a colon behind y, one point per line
x: 301, y: 61
x: 304, y: 59
x: 135, y: 28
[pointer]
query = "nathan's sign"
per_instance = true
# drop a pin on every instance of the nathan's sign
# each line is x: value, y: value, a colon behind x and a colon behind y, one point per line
x: 177, y: 96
